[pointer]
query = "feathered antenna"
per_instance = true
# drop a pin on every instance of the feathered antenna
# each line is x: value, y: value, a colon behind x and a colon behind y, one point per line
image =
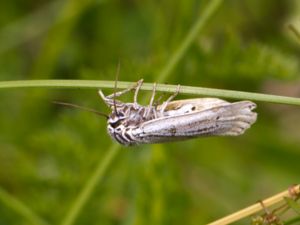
x: 81, y: 107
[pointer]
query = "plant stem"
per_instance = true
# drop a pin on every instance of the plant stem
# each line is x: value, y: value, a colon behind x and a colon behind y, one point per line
x: 257, y: 207
x: 148, y: 86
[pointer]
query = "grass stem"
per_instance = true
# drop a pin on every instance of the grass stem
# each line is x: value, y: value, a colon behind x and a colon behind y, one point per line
x: 257, y: 207
x: 148, y: 86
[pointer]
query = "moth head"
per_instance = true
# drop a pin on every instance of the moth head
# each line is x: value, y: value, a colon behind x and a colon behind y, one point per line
x: 116, y: 118
x: 116, y: 126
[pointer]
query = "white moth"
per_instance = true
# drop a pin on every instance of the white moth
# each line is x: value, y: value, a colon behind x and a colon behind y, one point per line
x: 132, y: 123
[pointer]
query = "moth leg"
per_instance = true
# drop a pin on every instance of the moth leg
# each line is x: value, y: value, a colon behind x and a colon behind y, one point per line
x: 149, y: 108
x: 137, y: 89
x: 153, y: 95
x: 109, y: 98
x: 164, y: 105
x: 156, y: 103
x: 108, y: 101
x: 119, y: 93
x: 101, y: 94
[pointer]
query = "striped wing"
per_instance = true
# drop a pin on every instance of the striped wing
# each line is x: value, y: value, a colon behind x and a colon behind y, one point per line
x: 226, y: 119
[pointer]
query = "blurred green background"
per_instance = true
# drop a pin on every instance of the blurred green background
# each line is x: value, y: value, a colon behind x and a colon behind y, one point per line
x: 47, y: 152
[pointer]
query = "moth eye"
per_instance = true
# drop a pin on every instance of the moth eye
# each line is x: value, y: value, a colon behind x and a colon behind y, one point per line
x: 116, y: 123
x: 193, y: 108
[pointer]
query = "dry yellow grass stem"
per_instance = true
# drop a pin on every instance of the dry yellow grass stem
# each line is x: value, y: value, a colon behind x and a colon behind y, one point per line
x: 291, y: 192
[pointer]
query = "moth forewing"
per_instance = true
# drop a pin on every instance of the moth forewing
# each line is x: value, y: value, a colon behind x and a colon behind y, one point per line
x: 229, y: 119
x: 191, y: 105
x: 200, y: 103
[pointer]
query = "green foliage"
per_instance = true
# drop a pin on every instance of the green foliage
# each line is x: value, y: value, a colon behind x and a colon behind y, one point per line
x: 58, y: 165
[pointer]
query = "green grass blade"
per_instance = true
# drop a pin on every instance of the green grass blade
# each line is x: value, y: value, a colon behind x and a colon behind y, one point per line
x: 295, y: 220
x: 293, y: 205
x: 29, y: 27
x: 55, y: 41
x: 90, y: 186
x: 149, y: 86
x: 191, y: 36
x: 20, y: 208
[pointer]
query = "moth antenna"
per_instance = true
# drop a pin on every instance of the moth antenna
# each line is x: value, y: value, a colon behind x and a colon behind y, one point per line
x: 81, y: 107
x: 115, y: 88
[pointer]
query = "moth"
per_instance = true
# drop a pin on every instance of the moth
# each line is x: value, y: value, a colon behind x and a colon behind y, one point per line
x: 131, y: 123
